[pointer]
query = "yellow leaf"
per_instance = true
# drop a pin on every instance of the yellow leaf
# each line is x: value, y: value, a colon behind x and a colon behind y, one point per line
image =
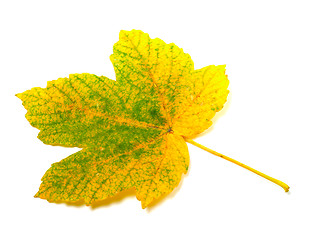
x: 133, y: 131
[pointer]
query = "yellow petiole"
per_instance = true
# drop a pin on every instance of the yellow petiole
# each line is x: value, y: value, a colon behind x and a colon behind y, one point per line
x: 278, y: 182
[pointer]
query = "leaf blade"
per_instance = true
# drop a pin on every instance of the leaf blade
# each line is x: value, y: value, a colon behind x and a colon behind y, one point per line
x: 92, y: 176
x: 131, y: 130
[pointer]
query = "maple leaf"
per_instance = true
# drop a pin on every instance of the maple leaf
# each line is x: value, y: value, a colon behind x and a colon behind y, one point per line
x: 132, y: 131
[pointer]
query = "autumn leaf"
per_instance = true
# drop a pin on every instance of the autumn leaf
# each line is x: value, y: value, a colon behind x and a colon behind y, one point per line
x: 132, y: 131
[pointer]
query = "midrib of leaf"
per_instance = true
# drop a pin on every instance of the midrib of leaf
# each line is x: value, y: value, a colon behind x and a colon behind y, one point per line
x: 158, y: 169
x: 129, y: 122
x: 116, y: 119
x: 152, y: 78
x: 88, y: 112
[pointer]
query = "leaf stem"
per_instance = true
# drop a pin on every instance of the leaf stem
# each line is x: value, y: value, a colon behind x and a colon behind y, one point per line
x: 278, y: 182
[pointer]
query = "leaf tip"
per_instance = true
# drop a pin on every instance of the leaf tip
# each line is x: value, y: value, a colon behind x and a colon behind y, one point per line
x: 19, y: 95
x: 222, y: 67
x: 144, y: 205
x: 36, y: 195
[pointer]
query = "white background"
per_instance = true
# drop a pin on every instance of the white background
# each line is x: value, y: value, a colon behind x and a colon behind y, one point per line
x: 264, y: 123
